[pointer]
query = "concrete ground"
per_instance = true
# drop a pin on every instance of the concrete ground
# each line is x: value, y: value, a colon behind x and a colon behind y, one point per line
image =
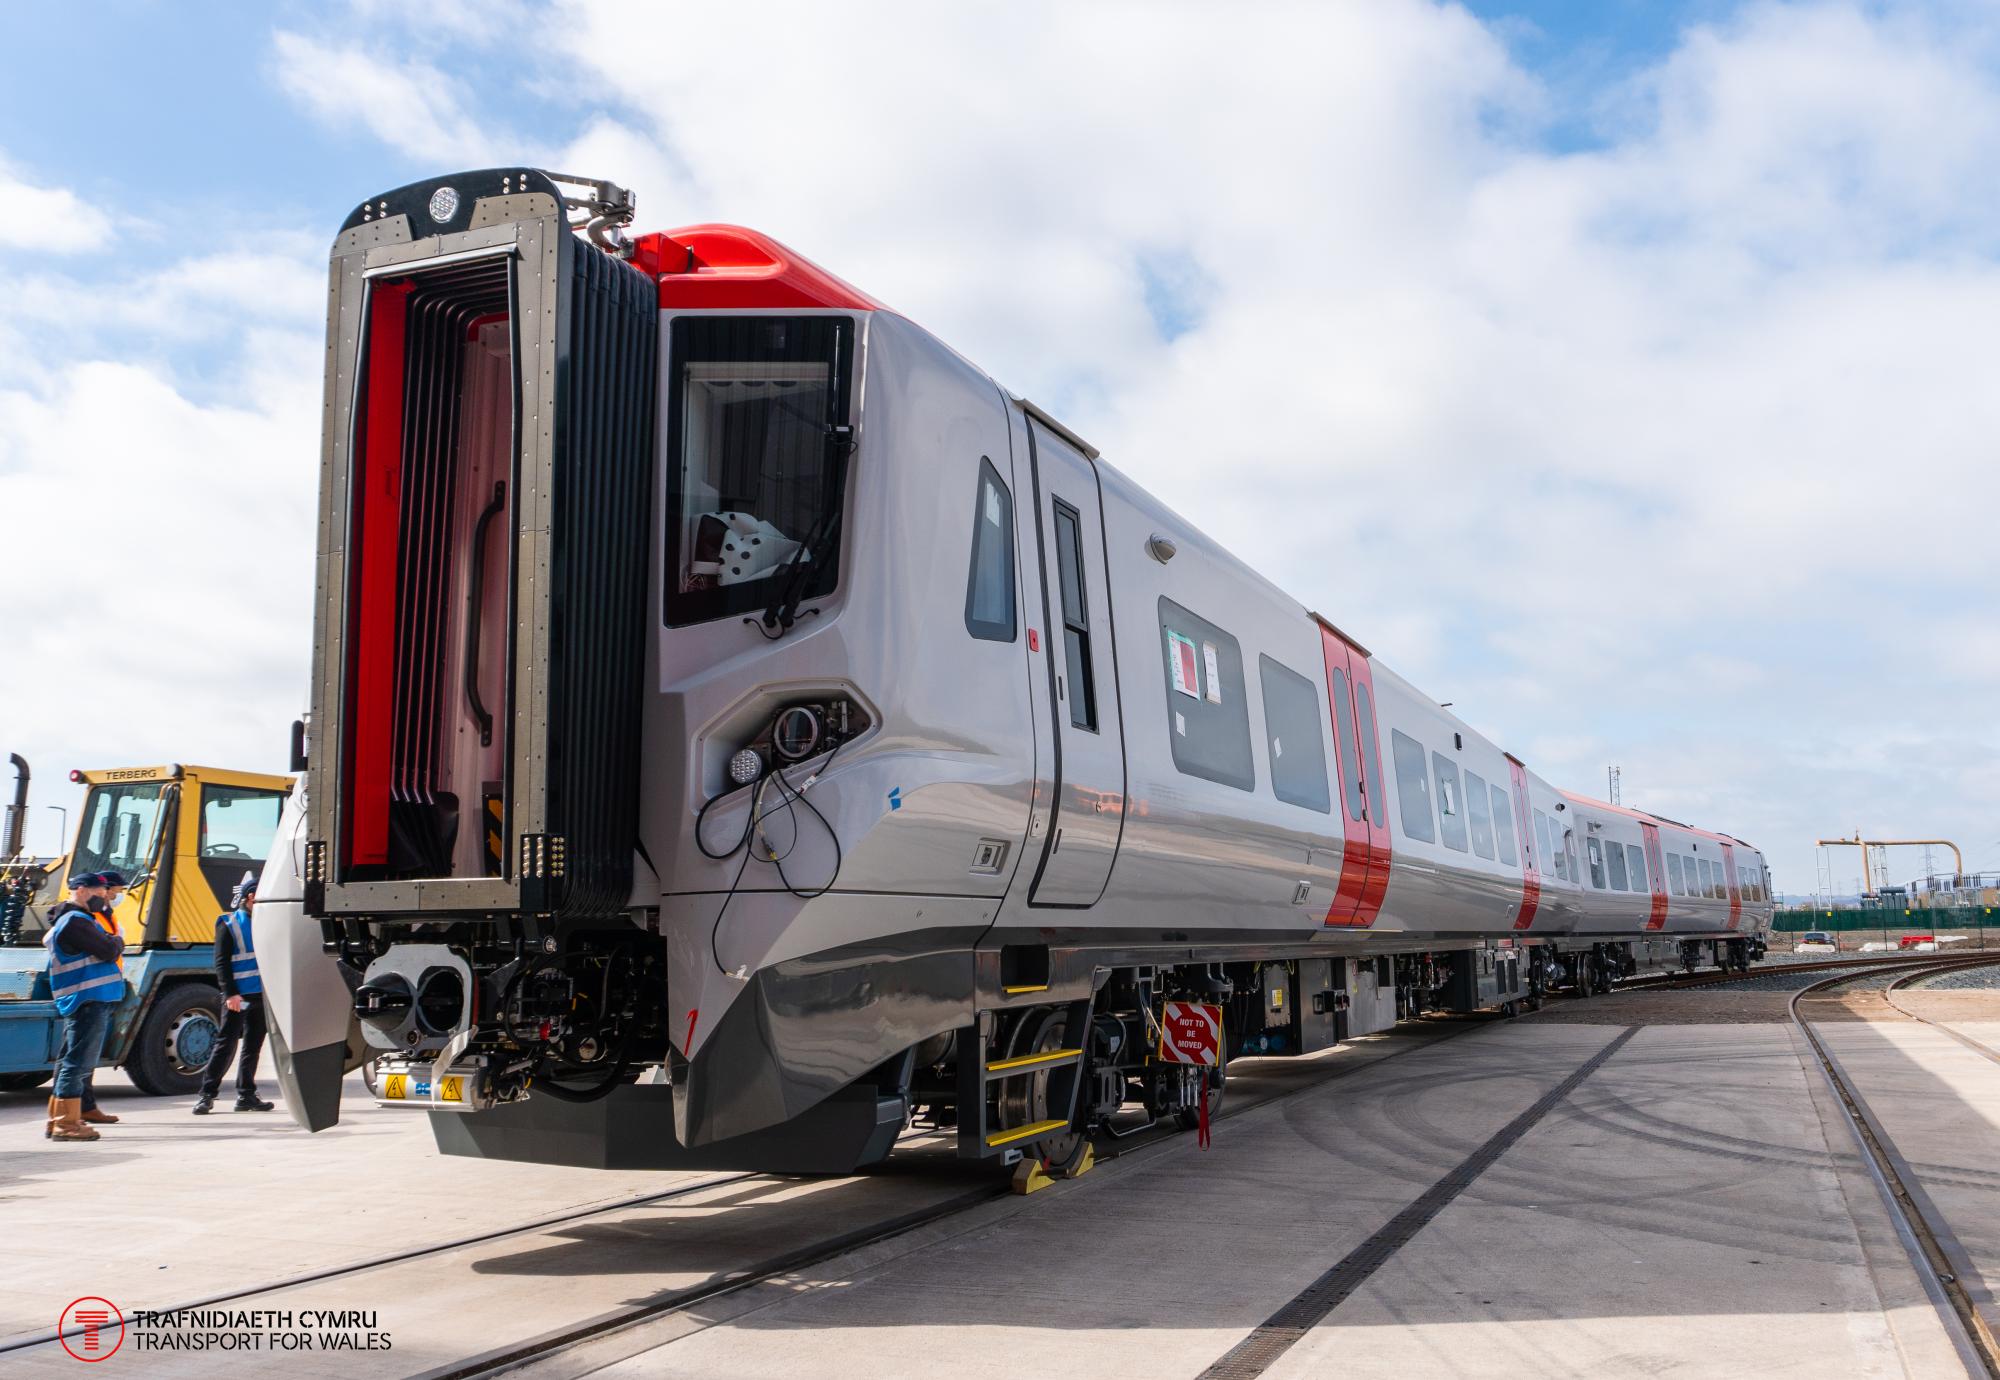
x: 1693, y: 1206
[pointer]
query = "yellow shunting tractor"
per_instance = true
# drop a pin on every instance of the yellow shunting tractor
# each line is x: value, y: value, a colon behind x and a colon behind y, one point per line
x: 184, y: 837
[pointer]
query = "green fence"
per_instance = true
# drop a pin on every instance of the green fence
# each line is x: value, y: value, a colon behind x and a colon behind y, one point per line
x: 1925, y: 918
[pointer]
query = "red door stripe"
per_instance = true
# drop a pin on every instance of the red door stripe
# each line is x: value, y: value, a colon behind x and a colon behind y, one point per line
x: 1365, y: 854
x: 1656, y: 866
x: 1735, y: 895
x: 1531, y: 876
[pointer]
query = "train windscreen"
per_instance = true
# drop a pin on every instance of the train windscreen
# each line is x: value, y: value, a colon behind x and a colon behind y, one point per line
x: 755, y: 462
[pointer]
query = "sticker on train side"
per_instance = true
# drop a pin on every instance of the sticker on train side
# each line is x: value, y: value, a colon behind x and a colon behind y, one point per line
x: 1187, y: 670
x: 1190, y: 1033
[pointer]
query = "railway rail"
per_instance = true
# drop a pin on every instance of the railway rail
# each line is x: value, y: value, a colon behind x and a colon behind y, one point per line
x: 1948, y: 1274
x: 1870, y: 962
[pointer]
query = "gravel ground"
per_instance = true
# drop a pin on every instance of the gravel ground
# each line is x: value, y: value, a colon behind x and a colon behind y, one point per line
x: 1978, y: 979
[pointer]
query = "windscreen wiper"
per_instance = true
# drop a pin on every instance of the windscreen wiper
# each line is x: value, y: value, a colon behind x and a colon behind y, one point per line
x: 798, y: 571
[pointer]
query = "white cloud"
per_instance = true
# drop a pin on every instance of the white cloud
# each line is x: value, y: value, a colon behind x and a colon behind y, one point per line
x: 50, y: 219
x: 407, y: 103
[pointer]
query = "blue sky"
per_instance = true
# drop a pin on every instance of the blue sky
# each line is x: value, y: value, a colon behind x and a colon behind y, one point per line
x: 1615, y: 370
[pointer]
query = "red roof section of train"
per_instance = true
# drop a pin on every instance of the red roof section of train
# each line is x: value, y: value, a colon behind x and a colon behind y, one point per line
x: 708, y: 267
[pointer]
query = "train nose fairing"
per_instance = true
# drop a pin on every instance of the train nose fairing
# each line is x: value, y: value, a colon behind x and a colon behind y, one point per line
x: 467, y: 845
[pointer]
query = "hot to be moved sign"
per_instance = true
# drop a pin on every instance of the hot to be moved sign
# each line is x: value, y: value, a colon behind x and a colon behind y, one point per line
x: 1191, y: 1033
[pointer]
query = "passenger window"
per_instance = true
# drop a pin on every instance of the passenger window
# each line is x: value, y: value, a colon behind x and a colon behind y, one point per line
x: 1614, y: 864
x: 1479, y: 813
x: 1636, y: 856
x: 1674, y: 879
x: 1451, y: 823
x: 1208, y: 713
x: 1567, y: 853
x: 1075, y: 617
x: 1542, y: 849
x: 1596, y: 852
x: 1350, y: 766
x: 1292, y: 719
x: 989, y: 588
x: 1503, y: 827
x: 1704, y: 879
x: 1413, y: 786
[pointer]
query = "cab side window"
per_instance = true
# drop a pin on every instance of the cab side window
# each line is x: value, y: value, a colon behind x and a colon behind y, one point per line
x: 989, y: 587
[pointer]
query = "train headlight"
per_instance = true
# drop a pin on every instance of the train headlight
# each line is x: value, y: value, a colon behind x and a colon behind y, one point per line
x: 746, y: 766
x: 796, y: 733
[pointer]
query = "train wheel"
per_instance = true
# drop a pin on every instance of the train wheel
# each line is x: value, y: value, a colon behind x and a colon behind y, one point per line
x: 1024, y: 1101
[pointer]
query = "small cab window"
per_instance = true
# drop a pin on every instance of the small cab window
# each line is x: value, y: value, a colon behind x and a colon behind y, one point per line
x: 1292, y: 719
x: 1595, y: 851
x: 1479, y: 813
x: 989, y: 587
x: 1635, y: 857
x: 1674, y: 877
x: 1413, y: 786
x: 1503, y: 827
x: 1614, y: 864
x: 1208, y: 712
x: 756, y: 461
x: 1081, y: 685
x: 1451, y: 815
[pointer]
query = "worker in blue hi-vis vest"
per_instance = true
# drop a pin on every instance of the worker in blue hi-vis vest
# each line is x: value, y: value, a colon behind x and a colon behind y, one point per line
x: 87, y: 981
x: 243, y: 994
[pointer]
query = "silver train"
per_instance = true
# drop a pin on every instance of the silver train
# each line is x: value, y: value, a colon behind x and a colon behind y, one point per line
x: 741, y: 727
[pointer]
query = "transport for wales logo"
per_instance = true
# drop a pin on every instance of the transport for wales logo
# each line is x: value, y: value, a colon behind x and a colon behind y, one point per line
x: 91, y: 1329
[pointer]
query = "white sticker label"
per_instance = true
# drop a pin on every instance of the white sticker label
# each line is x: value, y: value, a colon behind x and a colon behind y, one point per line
x: 1186, y: 670
x: 1214, y: 676
x: 1277, y: 748
x: 1180, y: 723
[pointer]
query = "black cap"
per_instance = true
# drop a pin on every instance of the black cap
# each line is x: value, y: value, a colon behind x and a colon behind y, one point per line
x: 87, y: 879
x: 111, y: 879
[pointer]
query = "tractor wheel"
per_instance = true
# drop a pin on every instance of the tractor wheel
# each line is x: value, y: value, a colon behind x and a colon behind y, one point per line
x: 176, y: 1040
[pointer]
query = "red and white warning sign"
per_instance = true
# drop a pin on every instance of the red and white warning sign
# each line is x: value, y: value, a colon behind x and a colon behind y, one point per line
x: 1191, y: 1033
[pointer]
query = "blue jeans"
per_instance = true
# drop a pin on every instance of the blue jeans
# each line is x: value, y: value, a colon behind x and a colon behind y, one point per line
x: 84, y: 1030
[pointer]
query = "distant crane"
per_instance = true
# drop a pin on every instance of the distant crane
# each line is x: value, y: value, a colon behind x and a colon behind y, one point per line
x: 1616, y: 794
x: 1868, y: 871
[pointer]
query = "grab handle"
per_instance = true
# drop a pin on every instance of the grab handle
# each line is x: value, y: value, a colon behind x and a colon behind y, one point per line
x: 475, y: 600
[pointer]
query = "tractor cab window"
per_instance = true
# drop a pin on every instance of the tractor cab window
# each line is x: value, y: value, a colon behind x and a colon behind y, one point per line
x: 121, y: 825
x: 757, y: 450
x: 238, y: 824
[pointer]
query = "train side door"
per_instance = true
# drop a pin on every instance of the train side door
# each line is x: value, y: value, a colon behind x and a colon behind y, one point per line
x: 1656, y: 866
x: 1735, y: 892
x: 1524, y: 825
x: 1089, y: 759
x: 1365, y: 853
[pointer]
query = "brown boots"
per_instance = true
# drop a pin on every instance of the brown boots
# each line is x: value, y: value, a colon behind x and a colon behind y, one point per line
x: 97, y: 1116
x: 66, y: 1120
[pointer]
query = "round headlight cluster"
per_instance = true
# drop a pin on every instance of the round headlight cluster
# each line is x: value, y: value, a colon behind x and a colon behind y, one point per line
x: 746, y: 766
x: 796, y: 733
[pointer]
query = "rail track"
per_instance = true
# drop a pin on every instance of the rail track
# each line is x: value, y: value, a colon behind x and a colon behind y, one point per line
x: 1948, y: 1274
x: 1679, y: 981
